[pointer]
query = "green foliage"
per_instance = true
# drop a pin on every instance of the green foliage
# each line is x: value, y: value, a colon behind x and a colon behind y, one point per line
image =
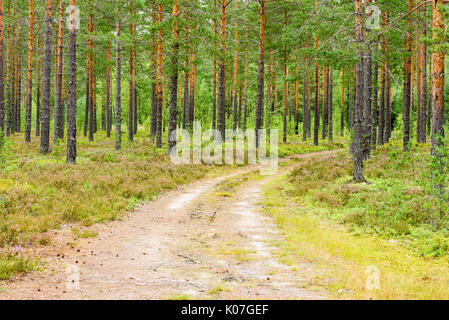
x: 436, y: 183
x: 11, y: 264
x: 399, y: 201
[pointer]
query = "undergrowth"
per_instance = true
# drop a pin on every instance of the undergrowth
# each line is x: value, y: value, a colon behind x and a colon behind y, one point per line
x: 395, y: 203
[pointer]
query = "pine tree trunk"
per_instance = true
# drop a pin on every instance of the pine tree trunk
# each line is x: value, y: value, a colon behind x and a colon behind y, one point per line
x: 30, y: 72
x: 8, y: 74
x: 260, y: 77
x: 45, y: 134
x: 2, y: 76
x: 159, y: 82
x: 236, y: 57
x: 71, y: 105
x: 358, y: 106
x: 330, y: 106
x: 325, y: 101
x: 59, y: 111
x: 118, y: 88
x: 221, y: 73
x: 367, y: 76
x: 438, y: 83
x: 153, y: 115
x: 174, y: 81
x: 342, y: 113
x: 130, y: 82
x: 38, y: 82
x: 375, y: 87
x: 407, y: 84
x: 317, y: 102
x: 108, y: 91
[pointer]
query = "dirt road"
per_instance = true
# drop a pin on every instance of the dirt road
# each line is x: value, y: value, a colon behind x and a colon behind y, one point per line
x: 207, y: 240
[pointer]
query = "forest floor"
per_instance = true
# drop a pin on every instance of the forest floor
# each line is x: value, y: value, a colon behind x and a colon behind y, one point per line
x: 157, y: 231
x: 209, y: 239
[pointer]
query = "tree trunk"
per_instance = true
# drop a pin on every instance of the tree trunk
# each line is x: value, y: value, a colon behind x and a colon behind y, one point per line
x: 45, y: 134
x: 153, y: 122
x: 59, y: 107
x: 236, y: 59
x: 30, y: 72
x: 438, y: 83
x: 130, y: 82
x: 325, y: 101
x: 108, y: 91
x: 407, y: 84
x: 245, y: 103
x: 71, y: 105
x: 221, y: 73
x: 38, y: 81
x: 375, y: 88
x: 174, y: 80
x: 2, y: 76
x: 8, y: 74
x: 330, y: 106
x: 358, y: 106
x: 260, y: 77
x: 118, y: 88
x: 159, y: 82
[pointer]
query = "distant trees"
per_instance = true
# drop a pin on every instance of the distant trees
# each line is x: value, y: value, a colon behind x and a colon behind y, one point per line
x: 279, y: 68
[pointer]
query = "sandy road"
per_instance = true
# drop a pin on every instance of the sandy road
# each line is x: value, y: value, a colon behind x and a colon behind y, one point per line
x: 194, y: 243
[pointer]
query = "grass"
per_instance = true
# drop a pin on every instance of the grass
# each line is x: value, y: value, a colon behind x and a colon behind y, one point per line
x: 84, y: 234
x: 39, y: 192
x: 11, y: 264
x: 217, y: 290
x: 348, y: 230
x: 181, y: 296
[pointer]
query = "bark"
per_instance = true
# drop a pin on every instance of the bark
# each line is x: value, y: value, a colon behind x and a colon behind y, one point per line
x: 317, y: 102
x: 358, y: 106
x: 159, y: 82
x: 38, y: 82
x: 221, y: 73
x: 438, y: 83
x: 59, y: 107
x: 2, y: 76
x: 153, y: 122
x: 236, y: 57
x: 387, y: 106
x: 367, y: 76
x: 285, y: 95
x: 325, y: 102
x: 342, y: 113
x: 130, y: 83
x: 375, y: 87
x: 30, y: 72
x: 45, y: 134
x: 304, y: 104
x: 260, y: 77
x: 108, y: 91
x: 408, y: 84
x: 92, y: 80
x: 118, y: 88
x: 86, y: 109
x: 174, y: 79
x: 330, y: 104
x: 71, y: 103
x: 8, y: 74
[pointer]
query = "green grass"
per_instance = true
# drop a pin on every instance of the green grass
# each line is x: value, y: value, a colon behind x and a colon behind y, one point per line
x: 12, y: 264
x: 344, y: 228
x: 181, y: 296
x: 39, y: 192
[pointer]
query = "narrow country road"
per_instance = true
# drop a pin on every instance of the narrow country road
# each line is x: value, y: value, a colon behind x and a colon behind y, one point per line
x: 202, y: 241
